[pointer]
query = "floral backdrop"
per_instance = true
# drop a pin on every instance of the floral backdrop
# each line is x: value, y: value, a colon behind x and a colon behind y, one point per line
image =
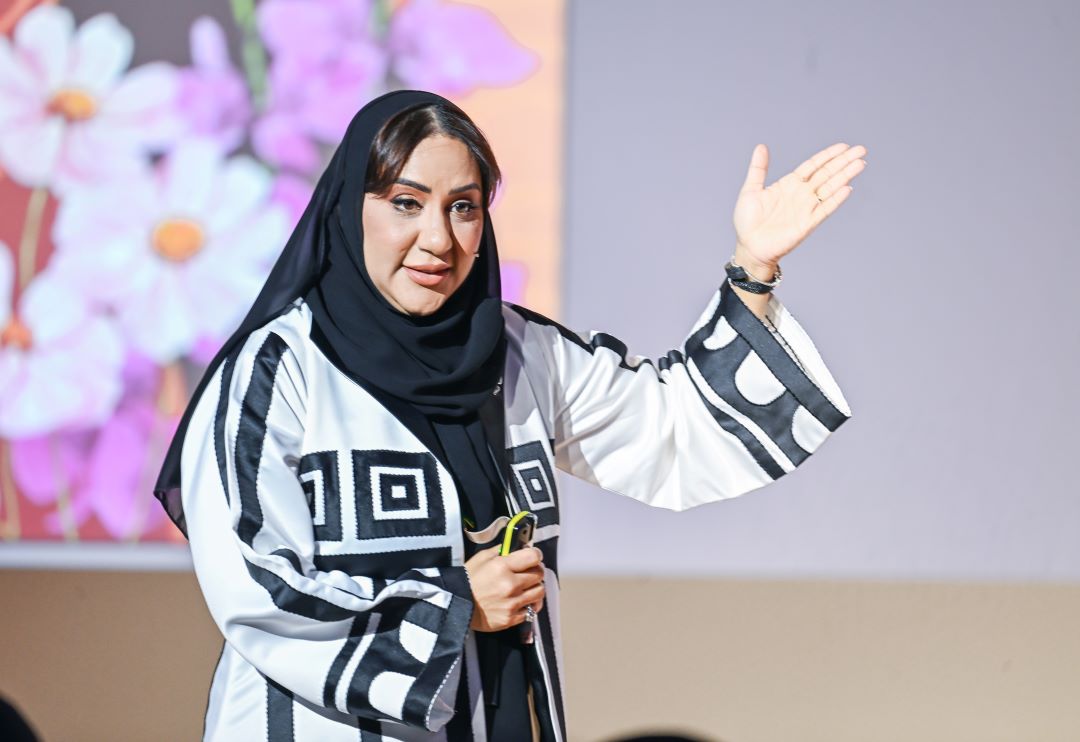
x: 152, y: 201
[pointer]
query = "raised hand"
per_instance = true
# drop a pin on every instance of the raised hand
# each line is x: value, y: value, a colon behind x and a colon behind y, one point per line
x: 771, y: 222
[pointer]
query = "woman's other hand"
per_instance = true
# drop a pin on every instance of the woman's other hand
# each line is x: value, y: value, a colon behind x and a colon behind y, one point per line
x: 503, y: 586
x: 771, y: 222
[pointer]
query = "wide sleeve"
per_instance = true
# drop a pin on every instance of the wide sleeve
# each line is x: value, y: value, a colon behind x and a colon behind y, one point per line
x: 739, y: 405
x: 385, y: 649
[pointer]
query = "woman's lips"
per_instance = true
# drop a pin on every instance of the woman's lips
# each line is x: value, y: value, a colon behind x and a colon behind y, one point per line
x: 428, y: 276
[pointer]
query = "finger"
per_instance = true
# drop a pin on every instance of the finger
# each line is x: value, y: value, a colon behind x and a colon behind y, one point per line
x: 524, y: 559
x: 840, y: 179
x: 525, y: 580
x: 822, y: 211
x: 836, y: 165
x: 810, y: 166
x: 759, y: 166
x: 529, y: 597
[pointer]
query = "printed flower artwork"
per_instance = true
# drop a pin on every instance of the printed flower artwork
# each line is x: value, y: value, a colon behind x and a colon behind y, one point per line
x: 212, y: 99
x: 179, y: 250
x: 175, y: 188
x: 105, y: 472
x: 453, y: 49
x: 59, y: 361
x: 314, y: 89
x: 70, y: 113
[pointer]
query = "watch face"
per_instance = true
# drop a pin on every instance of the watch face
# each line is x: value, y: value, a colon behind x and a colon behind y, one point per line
x: 736, y: 272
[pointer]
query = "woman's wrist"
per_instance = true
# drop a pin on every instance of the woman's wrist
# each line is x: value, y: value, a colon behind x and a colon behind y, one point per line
x: 758, y: 270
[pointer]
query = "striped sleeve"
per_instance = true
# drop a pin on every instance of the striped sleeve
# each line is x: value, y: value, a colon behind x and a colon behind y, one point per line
x: 383, y: 649
x: 740, y: 404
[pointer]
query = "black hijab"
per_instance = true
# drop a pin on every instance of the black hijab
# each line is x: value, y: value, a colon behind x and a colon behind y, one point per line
x: 434, y: 372
x: 439, y: 374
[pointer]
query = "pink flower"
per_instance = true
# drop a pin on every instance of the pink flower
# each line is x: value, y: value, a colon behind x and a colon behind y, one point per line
x: 128, y: 452
x: 51, y: 468
x: 451, y: 49
x: 69, y: 114
x: 292, y: 194
x: 213, y: 98
x: 178, y: 252
x: 59, y: 360
x: 315, y: 88
x: 108, y: 472
x: 290, y: 27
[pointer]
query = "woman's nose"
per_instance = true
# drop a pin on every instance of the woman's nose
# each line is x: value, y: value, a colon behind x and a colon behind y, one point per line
x: 436, y: 238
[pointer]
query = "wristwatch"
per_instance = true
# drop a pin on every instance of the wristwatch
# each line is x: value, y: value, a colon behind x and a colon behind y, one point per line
x: 737, y: 276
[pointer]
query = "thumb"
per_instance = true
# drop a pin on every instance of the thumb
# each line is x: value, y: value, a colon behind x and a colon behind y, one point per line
x: 759, y: 166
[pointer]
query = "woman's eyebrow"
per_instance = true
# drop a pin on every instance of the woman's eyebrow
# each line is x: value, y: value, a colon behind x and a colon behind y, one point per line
x: 425, y: 189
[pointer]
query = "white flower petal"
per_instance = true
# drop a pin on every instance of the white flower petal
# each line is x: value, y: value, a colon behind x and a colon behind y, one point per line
x: 223, y: 299
x: 96, y: 357
x: 51, y: 308
x: 142, y: 108
x: 17, y: 81
x: 75, y: 383
x: 145, y: 90
x: 95, y: 152
x: 242, y: 187
x: 30, y: 151
x: 12, y: 366
x: 191, y: 172
x: 257, y: 241
x: 108, y: 271
x: 159, y: 322
x: 88, y: 215
x: 101, y: 52
x: 44, y: 37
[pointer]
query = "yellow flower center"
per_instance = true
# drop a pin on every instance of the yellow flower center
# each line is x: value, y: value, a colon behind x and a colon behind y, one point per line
x: 16, y: 334
x: 178, y: 239
x: 74, y: 105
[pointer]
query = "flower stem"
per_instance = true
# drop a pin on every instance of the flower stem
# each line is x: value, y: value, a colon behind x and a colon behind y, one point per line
x: 142, y: 494
x: 252, y: 53
x: 9, y: 526
x: 380, y: 18
x: 171, y: 397
x: 31, y: 234
x: 63, y: 495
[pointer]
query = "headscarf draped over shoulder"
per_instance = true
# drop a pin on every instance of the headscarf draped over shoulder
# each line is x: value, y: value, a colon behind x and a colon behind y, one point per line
x: 443, y: 366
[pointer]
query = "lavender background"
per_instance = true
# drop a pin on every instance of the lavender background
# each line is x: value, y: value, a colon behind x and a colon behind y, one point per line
x: 941, y: 294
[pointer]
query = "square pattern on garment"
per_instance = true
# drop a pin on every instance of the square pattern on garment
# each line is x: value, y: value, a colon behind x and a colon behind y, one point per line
x: 397, y: 494
x: 533, y: 483
x: 318, y: 474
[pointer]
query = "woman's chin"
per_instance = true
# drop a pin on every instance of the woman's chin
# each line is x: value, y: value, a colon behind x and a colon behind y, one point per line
x: 420, y: 302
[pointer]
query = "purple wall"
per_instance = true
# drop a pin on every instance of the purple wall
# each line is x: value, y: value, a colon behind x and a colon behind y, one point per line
x: 940, y: 294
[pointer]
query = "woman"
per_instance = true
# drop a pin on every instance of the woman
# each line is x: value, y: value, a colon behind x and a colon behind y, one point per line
x: 353, y: 452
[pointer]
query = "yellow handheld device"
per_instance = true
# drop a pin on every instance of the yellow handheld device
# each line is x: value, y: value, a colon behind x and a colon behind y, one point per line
x: 519, y: 532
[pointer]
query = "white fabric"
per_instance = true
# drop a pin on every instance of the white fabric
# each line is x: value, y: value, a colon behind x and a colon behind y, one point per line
x: 305, y: 554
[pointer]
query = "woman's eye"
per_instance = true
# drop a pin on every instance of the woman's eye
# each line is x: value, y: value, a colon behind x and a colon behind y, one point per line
x: 403, y: 203
x: 464, y: 207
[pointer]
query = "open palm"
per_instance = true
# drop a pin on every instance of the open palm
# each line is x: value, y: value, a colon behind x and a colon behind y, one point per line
x: 771, y: 222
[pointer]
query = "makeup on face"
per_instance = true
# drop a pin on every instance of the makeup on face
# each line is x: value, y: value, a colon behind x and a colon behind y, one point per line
x: 420, y: 238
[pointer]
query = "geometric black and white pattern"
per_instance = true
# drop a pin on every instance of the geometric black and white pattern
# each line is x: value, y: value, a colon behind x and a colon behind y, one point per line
x: 397, y: 494
x: 318, y: 474
x: 533, y: 483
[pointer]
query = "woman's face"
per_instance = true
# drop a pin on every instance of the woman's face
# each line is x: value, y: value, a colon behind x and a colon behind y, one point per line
x: 421, y: 237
